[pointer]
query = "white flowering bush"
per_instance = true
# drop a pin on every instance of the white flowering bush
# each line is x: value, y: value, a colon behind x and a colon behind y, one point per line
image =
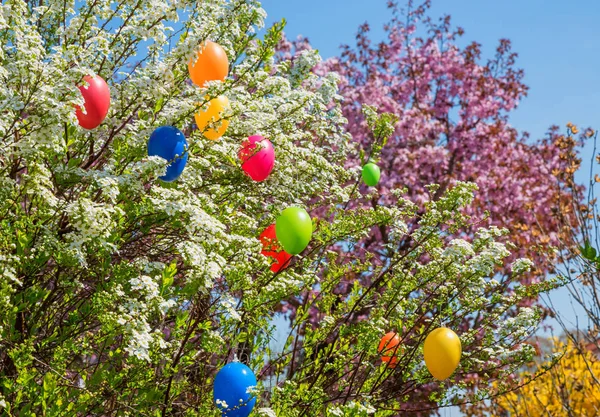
x: 123, y: 295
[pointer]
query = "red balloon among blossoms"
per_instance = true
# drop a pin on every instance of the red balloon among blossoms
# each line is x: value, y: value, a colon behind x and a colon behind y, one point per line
x: 96, y: 96
x: 272, y: 249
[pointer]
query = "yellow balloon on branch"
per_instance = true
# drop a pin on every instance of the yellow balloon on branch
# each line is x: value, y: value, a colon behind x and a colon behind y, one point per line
x: 213, y: 116
x: 442, y: 351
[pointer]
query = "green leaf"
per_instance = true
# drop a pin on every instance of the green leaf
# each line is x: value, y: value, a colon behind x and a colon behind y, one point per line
x: 168, y: 275
x: 182, y: 318
x: 588, y: 251
x: 159, y: 104
x: 73, y: 162
x: 49, y: 383
x: 22, y: 242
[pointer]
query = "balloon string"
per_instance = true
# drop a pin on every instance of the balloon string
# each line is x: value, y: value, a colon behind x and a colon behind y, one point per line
x: 290, y: 198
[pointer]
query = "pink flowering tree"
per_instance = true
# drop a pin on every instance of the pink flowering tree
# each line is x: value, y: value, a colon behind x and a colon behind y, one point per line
x: 452, y: 108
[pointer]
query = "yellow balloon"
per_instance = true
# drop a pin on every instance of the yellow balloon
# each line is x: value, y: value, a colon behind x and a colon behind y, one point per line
x: 442, y: 350
x: 212, y: 116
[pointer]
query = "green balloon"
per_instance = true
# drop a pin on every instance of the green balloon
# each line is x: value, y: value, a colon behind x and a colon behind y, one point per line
x: 293, y: 229
x: 371, y: 174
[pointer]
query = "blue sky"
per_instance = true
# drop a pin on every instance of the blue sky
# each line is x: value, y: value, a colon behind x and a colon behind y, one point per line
x: 558, y: 43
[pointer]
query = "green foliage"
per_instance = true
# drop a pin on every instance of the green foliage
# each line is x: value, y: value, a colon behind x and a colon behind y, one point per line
x: 382, y: 125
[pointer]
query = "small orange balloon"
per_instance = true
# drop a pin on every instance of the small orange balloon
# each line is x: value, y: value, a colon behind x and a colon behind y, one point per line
x: 212, y: 64
x: 212, y: 116
x: 388, y: 347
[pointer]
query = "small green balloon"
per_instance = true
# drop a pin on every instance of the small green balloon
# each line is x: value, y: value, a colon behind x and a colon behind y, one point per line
x: 371, y: 174
x: 293, y: 229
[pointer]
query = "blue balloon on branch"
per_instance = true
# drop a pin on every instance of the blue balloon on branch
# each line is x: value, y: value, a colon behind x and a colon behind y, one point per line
x: 169, y: 143
x: 231, y: 390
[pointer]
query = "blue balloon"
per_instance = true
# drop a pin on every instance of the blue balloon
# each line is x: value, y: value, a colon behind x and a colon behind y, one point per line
x: 231, y: 385
x: 169, y: 143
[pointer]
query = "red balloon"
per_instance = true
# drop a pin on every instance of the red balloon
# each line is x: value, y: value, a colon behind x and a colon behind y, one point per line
x: 272, y: 249
x: 258, y: 157
x: 97, y: 101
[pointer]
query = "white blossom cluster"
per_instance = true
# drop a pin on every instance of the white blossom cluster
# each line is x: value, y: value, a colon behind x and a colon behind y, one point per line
x: 353, y: 408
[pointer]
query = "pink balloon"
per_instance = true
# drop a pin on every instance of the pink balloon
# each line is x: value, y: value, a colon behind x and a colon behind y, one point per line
x: 258, y: 157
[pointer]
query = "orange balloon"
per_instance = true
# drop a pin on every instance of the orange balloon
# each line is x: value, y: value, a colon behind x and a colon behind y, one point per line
x: 388, y: 347
x: 212, y: 116
x: 212, y: 64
